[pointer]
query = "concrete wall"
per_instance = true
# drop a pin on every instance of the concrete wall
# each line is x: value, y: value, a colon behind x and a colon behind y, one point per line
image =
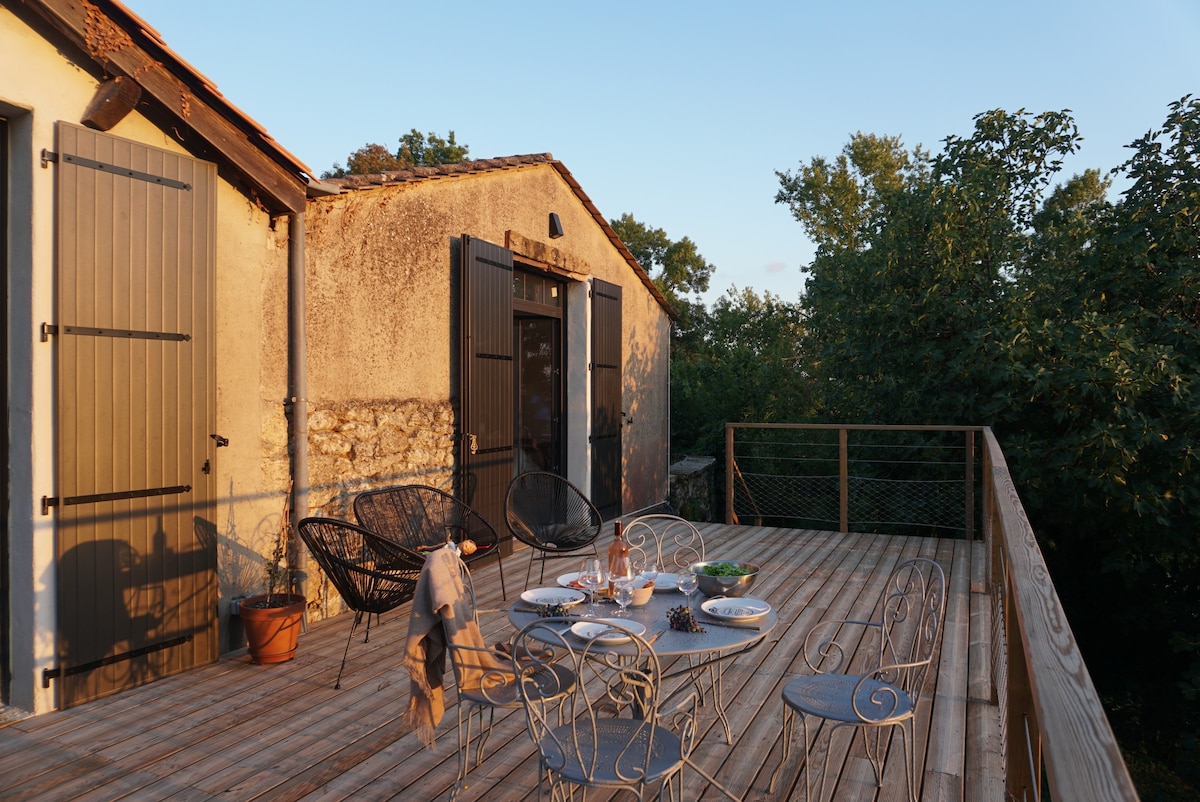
x: 382, y: 267
x: 39, y: 85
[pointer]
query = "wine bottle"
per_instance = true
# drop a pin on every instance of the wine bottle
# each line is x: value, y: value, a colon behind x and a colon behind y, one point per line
x: 618, y: 557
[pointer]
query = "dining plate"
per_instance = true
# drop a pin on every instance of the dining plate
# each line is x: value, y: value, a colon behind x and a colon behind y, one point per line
x: 737, y: 609
x: 597, y: 629
x: 570, y: 580
x: 564, y: 596
x: 664, y: 582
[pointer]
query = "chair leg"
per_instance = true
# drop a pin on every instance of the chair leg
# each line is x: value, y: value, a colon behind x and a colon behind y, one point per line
x: 337, y: 684
x: 464, y: 744
x: 873, y: 744
x: 910, y: 758
x: 529, y: 568
x: 789, y: 724
x: 500, y: 565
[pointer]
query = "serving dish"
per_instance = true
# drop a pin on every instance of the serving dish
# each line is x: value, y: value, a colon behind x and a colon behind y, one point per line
x: 745, y: 608
x: 564, y: 596
x: 724, y: 585
x: 664, y: 582
x: 602, y: 630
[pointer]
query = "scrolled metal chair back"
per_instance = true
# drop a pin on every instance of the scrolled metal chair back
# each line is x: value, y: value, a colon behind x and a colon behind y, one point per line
x: 606, y: 730
x: 910, y: 619
x: 675, y: 542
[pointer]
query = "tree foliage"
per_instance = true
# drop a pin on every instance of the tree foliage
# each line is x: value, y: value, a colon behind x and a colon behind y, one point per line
x: 962, y: 288
x: 676, y: 268
x: 739, y: 361
x: 415, y: 149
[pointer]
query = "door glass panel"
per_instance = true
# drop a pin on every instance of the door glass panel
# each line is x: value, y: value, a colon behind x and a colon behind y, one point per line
x: 539, y: 396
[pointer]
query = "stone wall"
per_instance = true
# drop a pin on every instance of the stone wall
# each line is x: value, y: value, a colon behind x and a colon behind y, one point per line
x: 357, y: 446
x: 691, y: 492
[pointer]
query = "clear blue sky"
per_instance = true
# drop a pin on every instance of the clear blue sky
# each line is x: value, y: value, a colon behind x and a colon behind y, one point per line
x: 680, y: 113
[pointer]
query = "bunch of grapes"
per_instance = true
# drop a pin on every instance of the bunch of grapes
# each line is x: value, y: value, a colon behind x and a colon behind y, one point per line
x: 551, y: 610
x: 681, y: 618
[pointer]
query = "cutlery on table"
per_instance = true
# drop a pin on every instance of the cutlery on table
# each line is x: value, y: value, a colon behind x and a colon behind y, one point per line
x: 706, y: 621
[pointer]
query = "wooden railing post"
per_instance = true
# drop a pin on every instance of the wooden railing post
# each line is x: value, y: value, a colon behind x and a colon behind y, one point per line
x: 730, y: 515
x: 969, y: 447
x: 843, y: 480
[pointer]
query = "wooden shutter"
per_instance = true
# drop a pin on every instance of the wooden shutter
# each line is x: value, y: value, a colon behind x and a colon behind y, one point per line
x: 486, y: 453
x: 606, y: 398
x: 133, y: 338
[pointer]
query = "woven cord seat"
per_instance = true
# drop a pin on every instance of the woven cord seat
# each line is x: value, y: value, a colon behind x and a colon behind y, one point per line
x: 372, y: 574
x: 551, y: 516
x: 423, y: 518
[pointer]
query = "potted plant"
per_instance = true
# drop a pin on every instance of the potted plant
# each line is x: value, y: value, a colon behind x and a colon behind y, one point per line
x: 272, y: 620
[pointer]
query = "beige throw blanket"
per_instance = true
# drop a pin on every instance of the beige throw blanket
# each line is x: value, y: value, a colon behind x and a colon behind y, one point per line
x: 441, y: 611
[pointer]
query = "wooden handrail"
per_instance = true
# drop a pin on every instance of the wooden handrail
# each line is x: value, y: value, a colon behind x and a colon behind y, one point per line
x: 1067, y: 725
x: 1053, y: 719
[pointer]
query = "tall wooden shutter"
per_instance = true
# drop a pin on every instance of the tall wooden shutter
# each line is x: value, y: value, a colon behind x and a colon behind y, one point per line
x: 136, y: 571
x: 606, y: 398
x: 486, y: 454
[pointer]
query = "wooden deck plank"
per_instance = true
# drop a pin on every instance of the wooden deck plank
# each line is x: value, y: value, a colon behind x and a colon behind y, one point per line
x: 235, y: 731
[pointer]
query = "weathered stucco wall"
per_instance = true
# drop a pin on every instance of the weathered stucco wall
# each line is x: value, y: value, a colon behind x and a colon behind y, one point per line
x: 382, y: 283
x: 39, y: 85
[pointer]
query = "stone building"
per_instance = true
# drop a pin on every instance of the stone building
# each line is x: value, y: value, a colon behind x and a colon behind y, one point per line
x: 187, y: 303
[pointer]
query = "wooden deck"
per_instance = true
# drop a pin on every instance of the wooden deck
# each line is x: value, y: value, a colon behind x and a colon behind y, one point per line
x: 236, y: 731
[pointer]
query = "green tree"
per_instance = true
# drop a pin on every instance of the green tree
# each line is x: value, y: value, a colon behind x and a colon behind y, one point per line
x: 963, y: 289
x: 916, y: 259
x: 740, y: 361
x: 415, y: 149
x: 676, y: 268
x: 1106, y: 352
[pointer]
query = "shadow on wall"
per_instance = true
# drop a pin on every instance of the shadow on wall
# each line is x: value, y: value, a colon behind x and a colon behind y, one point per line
x: 130, y: 604
x: 646, y: 449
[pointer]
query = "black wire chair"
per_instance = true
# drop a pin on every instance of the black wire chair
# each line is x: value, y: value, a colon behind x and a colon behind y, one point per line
x: 372, y: 574
x: 551, y: 516
x: 423, y: 518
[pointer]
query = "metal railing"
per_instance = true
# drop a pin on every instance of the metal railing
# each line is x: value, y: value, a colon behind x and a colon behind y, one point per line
x: 881, y: 479
x: 1056, y: 735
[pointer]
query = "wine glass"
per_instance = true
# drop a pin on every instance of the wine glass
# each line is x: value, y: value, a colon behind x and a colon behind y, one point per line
x: 649, y: 570
x: 623, y: 591
x: 591, y: 576
x: 686, y: 582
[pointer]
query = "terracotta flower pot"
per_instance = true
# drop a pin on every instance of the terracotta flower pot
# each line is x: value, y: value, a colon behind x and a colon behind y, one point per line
x: 272, y: 630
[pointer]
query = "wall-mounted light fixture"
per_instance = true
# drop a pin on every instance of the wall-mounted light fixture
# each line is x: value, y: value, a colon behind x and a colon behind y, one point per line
x: 555, y: 226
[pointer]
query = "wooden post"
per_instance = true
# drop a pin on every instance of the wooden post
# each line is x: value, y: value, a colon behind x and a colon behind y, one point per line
x: 730, y: 516
x: 843, y: 480
x: 970, y: 478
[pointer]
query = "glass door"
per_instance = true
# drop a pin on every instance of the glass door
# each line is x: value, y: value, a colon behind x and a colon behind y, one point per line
x: 539, y: 393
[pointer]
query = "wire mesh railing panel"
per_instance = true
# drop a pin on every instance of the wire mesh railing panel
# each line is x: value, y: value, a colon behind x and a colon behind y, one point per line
x: 920, y: 503
x: 890, y: 480
x: 774, y: 500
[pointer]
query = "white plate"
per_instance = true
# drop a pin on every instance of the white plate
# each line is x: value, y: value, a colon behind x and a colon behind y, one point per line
x: 665, y: 582
x: 567, y: 580
x: 738, y: 609
x: 564, y: 596
x: 592, y: 629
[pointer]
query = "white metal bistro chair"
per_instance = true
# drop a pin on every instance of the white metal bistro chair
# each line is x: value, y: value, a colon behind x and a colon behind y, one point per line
x: 611, y: 730
x: 674, y: 542
x: 485, y: 682
x: 878, y: 697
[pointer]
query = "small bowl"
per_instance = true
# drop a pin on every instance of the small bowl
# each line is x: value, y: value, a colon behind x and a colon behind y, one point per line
x: 642, y: 595
x: 724, y: 585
